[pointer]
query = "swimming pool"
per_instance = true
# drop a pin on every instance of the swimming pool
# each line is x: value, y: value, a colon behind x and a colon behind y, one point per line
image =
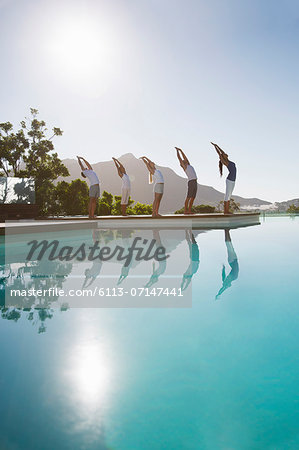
x: 220, y: 374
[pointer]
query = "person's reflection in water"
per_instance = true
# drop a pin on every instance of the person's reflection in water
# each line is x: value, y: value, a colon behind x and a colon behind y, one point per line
x: 125, y: 235
x: 161, y: 264
x: 124, y: 273
x: 194, y: 260
x: 92, y: 273
x: 233, y: 262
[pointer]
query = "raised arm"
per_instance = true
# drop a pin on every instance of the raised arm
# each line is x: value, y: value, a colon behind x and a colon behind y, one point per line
x: 80, y: 163
x: 149, y: 164
x: 181, y: 156
x: 120, y: 168
x: 145, y: 160
x: 218, y: 149
x: 87, y: 164
x: 116, y: 162
x: 119, y: 165
x: 178, y: 150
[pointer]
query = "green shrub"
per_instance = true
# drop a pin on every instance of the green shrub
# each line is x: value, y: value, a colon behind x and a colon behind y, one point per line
x: 199, y: 209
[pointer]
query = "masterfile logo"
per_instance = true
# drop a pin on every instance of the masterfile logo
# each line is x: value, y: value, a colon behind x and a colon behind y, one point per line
x: 117, y: 268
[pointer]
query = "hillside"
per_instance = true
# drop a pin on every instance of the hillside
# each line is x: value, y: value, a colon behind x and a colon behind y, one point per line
x: 283, y: 206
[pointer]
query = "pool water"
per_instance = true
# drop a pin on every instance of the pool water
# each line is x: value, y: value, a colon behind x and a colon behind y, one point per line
x: 222, y: 374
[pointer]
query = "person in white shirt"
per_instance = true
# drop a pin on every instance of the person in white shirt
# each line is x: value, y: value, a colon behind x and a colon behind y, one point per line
x: 126, y: 186
x: 192, y: 180
x: 94, y: 190
x: 157, y: 177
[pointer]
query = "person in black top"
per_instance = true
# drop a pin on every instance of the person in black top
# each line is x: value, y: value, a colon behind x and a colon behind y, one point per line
x: 231, y: 178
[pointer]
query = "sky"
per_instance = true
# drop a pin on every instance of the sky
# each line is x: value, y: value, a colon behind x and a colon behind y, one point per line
x: 143, y: 76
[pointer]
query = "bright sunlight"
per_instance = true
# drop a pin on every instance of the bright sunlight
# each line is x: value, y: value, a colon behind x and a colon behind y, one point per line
x: 82, y: 51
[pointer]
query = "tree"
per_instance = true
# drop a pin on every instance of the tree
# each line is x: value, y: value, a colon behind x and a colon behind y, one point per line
x: 28, y: 153
x: 61, y: 198
x: 233, y: 206
x: 204, y: 209
x: 12, y: 149
x: 292, y: 209
x: 116, y: 209
x: 142, y: 209
x: 105, y: 204
x: 76, y: 197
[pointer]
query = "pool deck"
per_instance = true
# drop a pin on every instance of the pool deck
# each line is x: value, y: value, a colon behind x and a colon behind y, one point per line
x: 169, y: 221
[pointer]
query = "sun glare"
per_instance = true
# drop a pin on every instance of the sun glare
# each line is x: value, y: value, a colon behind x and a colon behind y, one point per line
x: 89, y: 374
x: 82, y: 51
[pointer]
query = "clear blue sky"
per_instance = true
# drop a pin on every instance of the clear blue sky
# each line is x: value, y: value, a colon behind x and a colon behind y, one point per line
x: 142, y: 76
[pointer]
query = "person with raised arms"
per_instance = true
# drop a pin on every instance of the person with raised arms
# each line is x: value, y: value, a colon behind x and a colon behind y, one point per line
x: 231, y: 178
x: 192, y: 180
x: 126, y: 186
x: 156, y: 176
x: 94, y: 189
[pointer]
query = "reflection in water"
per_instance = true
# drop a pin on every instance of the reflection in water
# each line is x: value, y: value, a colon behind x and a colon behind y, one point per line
x: 87, y: 383
x: 194, y: 260
x: 5, y: 274
x: 89, y: 372
x: 46, y: 275
x: 94, y: 271
x: 36, y: 316
x: 125, y: 237
x: 157, y: 272
x: 232, y: 261
x: 87, y: 377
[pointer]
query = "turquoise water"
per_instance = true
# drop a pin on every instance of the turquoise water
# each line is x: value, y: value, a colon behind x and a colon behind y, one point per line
x: 220, y: 375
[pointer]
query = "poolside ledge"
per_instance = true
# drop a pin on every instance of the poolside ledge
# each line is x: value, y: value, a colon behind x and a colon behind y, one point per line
x: 169, y: 221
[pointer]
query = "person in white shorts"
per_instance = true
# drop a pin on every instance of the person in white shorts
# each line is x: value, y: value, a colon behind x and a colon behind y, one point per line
x: 156, y: 177
x: 231, y: 177
x: 125, y: 187
x: 192, y: 180
x: 94, y: 189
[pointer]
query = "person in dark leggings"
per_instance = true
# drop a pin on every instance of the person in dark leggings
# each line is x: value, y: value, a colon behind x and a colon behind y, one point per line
x: 192, y: 180
x: 232, y: 261
x: 231, y: 178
